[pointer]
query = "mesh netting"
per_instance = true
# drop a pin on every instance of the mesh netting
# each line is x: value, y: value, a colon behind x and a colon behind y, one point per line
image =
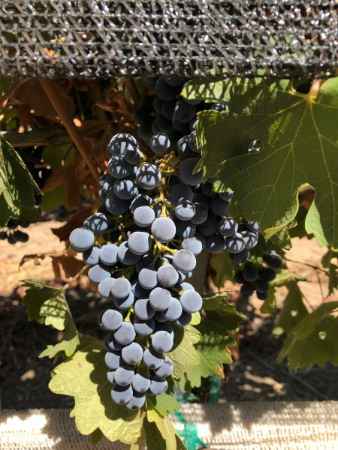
x: 193, y: 38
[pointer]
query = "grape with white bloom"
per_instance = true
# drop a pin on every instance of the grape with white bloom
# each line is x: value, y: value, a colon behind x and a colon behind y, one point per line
x: 139, y: 243
x: 81, y: 239
x: 91, y: 256
x: 159, y: 299
x: 144, y: 216
x: 132, y: 353
x: 121, y: 394
x: 184, y: 261
x: 167, y: 275
x: 163, y: 229
x: 152, y: 358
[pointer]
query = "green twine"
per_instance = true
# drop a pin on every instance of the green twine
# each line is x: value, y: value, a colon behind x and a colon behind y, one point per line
x: 189, y: 434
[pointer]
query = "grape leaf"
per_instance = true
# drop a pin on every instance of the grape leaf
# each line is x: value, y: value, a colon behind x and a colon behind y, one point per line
x: 165, y: 402
x: 59, y: 156
x: 313, y: 340
x: 333, y: 281
x: 300, y: 148
x: 213, y: 352
x: 68, y: 344
x: 183, y: 354
x: 154, y: 438
x: 284, y: 277
x: 223, y: 267
x: 164, y: 427
x: 48, y: 306
x: 226, y: 315
x: 96, y: 436
x: 53, y: 199
x: 84, y: 377
x: 210, y: 301
x: 269, y: 305
x: 326, y: 262
x: 293, y: 312
x: 16, y: 183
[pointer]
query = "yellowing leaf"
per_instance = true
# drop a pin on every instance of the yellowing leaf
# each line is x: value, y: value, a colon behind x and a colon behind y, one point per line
x: 165, y: 402
x: 84, y: 377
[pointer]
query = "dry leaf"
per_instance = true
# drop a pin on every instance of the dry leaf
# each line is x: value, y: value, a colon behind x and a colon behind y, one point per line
x: 75, y: 221
x: 31, y: 93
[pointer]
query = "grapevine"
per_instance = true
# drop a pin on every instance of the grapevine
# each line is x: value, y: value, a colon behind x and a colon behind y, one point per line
x: 142, y: 244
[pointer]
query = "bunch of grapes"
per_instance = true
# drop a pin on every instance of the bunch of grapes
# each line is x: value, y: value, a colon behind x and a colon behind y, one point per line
x: 257, y: 279
x: 157, y: 217
x: 13, y: 234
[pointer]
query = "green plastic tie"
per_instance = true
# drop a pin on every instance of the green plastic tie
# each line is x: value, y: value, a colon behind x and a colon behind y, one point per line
x: 189, y: 434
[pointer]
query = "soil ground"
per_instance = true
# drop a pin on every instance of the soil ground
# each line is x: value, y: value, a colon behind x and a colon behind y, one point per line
x: 254, y: 376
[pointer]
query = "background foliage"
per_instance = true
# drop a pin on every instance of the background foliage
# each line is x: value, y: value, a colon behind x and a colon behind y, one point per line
x: 289, y: 187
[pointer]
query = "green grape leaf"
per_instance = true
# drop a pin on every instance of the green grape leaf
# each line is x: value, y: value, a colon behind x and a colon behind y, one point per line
x: 333, y: 280
x: 213, y: 352
x: 293, y: 312
x: 183, y: 354
x: 226, y: 315
x: 60, y: 156
x: 17, y: 185
x: 299, y: 230
x: 28, y: 215
x: 313, y: 340
x: 329, y: 255
x: 224, y: 268
x: 47, y: 305
x: 53, y: 199
x: 84, y: 377
x: 300, y: 148
x: 165, y: 402
x: 269, y: 305
x: 284, y: 277
x: 333, y: 274
x: 68, y: 344
x: 96, y: 436
x: 211, y: 301
x: 32, y: 283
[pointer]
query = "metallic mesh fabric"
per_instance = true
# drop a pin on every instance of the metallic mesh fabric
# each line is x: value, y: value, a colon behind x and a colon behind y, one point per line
x: 194, y: 38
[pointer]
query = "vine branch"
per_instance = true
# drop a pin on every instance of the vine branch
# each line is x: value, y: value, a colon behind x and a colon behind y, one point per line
x: 313, y: 267
x: 77, y: 138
